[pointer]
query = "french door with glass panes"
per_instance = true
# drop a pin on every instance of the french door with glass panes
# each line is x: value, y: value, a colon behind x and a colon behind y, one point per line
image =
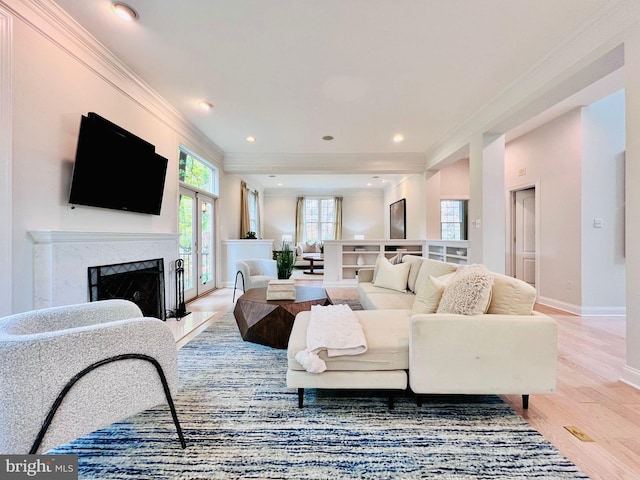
x: 196, y: 211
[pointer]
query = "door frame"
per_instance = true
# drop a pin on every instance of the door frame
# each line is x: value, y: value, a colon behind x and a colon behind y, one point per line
x: 511, y: 229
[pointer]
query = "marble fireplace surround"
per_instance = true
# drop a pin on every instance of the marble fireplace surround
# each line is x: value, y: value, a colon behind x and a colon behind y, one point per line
x: 61, y: 260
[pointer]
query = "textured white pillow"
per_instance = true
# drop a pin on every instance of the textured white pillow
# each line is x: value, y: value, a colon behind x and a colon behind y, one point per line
x: 428, y: 297
x: 469, y: 293
x: 393, y: 277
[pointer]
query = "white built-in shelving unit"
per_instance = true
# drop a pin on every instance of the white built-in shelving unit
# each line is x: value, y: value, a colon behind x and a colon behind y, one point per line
x: 343, y: 258
x: 450, y: 251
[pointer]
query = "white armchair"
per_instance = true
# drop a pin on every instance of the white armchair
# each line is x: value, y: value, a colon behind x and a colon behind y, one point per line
x: 255, y: 273
x: 68, y: 371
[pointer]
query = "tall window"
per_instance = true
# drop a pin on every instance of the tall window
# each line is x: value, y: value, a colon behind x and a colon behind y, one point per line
x: 453, y: 219
x: 319, y: 219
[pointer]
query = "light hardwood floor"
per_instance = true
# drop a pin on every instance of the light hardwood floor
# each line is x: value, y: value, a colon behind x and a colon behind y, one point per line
x: 590, y: 395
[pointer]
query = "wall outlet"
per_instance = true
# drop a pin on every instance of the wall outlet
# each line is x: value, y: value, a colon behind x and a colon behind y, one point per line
x: 522, y: 171
x: 597, y: 223
x: 569, y: 285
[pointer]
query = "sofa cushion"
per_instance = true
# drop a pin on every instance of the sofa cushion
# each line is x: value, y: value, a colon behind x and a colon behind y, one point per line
x: 387, y: 336
x: 391, y: 276
x: 428, y: 297
x: 382, y: 301
x: 469, y: 292
x: 511, y: 296
x: 433, y: 268
x: 310, y: 248
x: 416, y: 263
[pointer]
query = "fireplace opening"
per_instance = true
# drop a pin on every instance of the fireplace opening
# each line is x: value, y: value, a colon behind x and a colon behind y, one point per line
x: 141, y: 282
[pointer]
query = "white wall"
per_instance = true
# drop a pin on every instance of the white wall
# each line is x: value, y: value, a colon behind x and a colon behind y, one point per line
x: 413, y: 188
x: 361, y: 214
x: 551, y: 155
x: 631, y: 373
x: 52, y: 88
x: 603, y: 263
x: 448, y: 183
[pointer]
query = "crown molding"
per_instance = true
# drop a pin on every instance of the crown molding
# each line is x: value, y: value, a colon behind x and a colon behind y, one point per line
x: 59, y: 28
x: 550, y: 77
x: 324, y: 163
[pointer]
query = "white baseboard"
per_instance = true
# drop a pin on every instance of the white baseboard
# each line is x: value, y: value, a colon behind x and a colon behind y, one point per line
x: 604, y: 311
x: 607, y: 311
x: 631, y: 376
x: 559, y: 305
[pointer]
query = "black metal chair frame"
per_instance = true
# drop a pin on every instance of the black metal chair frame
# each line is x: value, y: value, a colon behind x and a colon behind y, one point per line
x: 235, y: 284
x: 127, y: 356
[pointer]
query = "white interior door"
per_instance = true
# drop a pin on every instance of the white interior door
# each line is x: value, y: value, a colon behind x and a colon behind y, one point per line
x: 525, y: 235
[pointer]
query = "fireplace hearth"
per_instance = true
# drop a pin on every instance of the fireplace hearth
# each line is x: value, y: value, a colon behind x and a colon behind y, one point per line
x: 141, y: 282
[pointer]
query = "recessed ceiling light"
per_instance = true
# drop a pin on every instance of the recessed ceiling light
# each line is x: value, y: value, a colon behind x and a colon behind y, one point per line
x: 124, y: 11
x: 327, y: 138
x: 369, y: 184
x: 251, y: 139
x: 398, y: 138
x: 279, y: 184
x: 205, y: 105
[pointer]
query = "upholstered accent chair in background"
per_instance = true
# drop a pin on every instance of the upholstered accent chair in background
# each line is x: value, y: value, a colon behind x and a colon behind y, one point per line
x: 255, y: 274
x: 68, y: 371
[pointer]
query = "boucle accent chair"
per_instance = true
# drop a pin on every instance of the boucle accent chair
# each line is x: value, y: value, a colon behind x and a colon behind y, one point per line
x: 255, y: 273
x: 68, y: 371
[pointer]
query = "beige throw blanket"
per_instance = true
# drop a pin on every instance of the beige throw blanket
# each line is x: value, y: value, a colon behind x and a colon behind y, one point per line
x: 333, y: 328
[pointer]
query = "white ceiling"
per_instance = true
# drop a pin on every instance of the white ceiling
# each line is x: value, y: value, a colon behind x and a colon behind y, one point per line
x: 289, y: 72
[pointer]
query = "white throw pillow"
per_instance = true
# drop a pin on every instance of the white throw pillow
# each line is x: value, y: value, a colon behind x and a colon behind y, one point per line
x: 416, y: 263
x: 393, y: 277
x: 428, y: 297
x: 434, y: 268
x: 469, y: 293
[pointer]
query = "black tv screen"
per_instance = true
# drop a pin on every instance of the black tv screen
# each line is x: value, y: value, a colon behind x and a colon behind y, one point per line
x: 116, y: 169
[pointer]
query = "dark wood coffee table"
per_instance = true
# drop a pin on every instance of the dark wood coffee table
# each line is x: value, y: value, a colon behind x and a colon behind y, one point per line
x: 269, y: 322
x: 313, y: 257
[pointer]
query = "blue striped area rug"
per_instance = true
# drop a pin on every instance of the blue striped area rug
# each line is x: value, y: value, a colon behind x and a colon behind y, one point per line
x: 242, y: 422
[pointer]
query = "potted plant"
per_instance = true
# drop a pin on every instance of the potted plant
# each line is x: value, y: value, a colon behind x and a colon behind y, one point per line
x: 251, y: 236
x: 285, y: 262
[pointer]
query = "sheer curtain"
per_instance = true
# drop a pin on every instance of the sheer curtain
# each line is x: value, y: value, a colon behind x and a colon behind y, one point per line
x: 337, y: 230
x: 299, y: 221
x: 245, y: 219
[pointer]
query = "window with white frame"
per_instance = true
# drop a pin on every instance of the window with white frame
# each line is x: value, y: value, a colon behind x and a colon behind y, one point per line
x: 319, y: 219
x: 453, y: 219
x: 197, y: 173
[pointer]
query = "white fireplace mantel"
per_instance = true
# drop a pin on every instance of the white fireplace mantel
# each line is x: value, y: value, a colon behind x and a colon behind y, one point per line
x: 61, y: 259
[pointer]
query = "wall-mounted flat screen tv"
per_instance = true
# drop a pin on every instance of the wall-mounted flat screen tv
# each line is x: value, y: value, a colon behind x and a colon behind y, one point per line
x: 116, y: 169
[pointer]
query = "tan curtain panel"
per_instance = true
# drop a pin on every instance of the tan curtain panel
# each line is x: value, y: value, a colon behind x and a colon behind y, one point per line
x: 299, y: 221
x: 258, y: 216
x: 337, y: 232
x: 244, y: 210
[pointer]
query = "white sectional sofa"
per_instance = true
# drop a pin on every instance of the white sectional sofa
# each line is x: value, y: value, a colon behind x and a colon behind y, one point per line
x: 424, y: 335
